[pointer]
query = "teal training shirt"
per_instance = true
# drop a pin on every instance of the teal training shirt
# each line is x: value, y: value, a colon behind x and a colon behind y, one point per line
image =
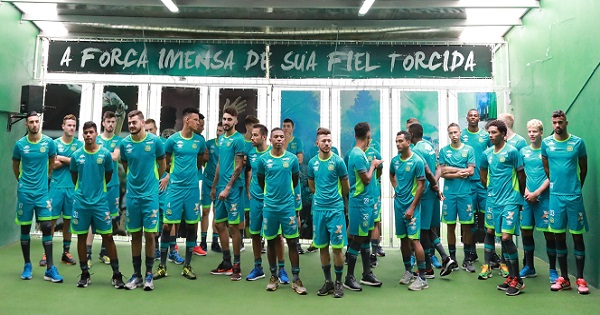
x: 210, y: 167
x: 111, y: 144
x: 327, y: 175
x: 142, y: 168
x: 61, y: 177
x: 295, y: 146
x: 534, y: 168
x: 372, y: 154
x: 360, y: 195
x: 314, y: 151
x: 424, y: 149
x: 90, y: 190
x: 483, y: 162
x: 479, y: 141
x: 407, y: 173
x: 200, y: 172
x: 502, y: 169
x: 253, y: 159
x: 278, y: 171
x: 517, y: 141
x: 229, y: 148
x: 563, y: 163
x: 34, y: 157
x: 461, y: 158
x: 184, y: 159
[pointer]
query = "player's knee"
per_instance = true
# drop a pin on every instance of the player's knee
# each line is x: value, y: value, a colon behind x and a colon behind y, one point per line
x: 46, y: 227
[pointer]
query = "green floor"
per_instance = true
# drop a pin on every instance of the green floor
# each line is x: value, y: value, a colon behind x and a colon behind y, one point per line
x: 459, y: 293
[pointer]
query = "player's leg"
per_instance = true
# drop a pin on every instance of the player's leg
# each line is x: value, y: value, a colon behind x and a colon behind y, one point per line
x: 254, y: 227
x: 220, y: 219
x: 43, y: 211
x: 321, y: 241
x: 271, y: 234
x: 527, y: 224
x: 577, y: 222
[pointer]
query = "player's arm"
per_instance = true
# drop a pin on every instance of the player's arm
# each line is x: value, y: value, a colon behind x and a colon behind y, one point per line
x: 261, y: 181
x: 311, y: 185
x: 295, y: 179
x: 124, y: 163
x: 365, y: 177
x: 75, y: 176
x: 345, y: 186
x: 300, y: 156
x: 61, y: 161
x: 237, y: 171
x: 393, y: 180
x: 16, y: 168
x: 213, y: 188
x: 483, y: 174
x: 420, y: 189
x: 582, y: 169
x: 51, y: 162
x: 162, y: 165
x: 116, y: 154
x: 248, y: 175
x: 202, y: 158
x: 546, y: 166
x: 107, y: 176
x: 522, y: 180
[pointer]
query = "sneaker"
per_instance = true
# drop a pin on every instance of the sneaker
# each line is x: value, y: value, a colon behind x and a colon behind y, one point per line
x: 504, y: 286
x: 418, y: 285
x: 503, y: 270
x: 52, y: 275
x: 198, y: 251
x: 156, y: 254
x: 89, y: 261
x: 486, y: 273
x: 117, y: 281
x: 429, y: 274
x: 84, y: 280
x: 283, y: 276
x: 299, y: 287
x: 149, y: 283
x: 527, y: 272
x: 43, y: 261
x: 161, y: 272
x: 236, y: 274
x: 175, y: 258
x: 515, y: 287
x: 468, y: 266
x: 273, y: 283
x: 326, y: 289
x: 188, y: 273
x: 561, y: 284
x: 311, y: 249
x: 373, y: 260
x: 204, y: 246
x: 215, y: 247
x: 134, y: 282
x: 370, y: 280
x: 68, y: 259
x: 407, y: 278
x: 224, y: 268
x: 474, y: 257
x: 380, y: 252
x: 338, y: 290
x: 435, y: 262
x: 582, y: 287
x: 447, y: 266
x: 495, y: 262
x: 105, y: 259
x: 351, y: 284
x: 255, y: 274
x: 553, y: 276
x: 299, y: 248
x: 27, y: 272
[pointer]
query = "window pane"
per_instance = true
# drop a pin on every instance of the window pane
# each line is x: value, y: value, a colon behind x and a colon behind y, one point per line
x: 60, y: 100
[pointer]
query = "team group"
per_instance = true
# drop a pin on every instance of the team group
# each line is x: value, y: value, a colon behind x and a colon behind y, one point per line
x: 494, y: 181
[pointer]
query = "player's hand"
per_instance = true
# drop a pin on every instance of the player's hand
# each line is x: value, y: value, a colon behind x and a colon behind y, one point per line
x: 239, y: 104
x: 249, y: 195
x: 408, y: 215
x: 376, y: 163
x: 440, y: 195
x: 163, y: 183
x: 213, y: 193
x: 224, y: 194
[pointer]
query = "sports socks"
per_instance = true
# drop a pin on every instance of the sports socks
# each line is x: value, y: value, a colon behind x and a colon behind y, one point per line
x: 26, y: 247
x: 327, y: 271
x: 579, y: 250
x: 528, y: 248
x: 561, y: 255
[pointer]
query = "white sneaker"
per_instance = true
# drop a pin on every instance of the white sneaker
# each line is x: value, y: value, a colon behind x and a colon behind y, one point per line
x: 149, y: 283
x: 418, y: 285
x: 134, y: 282
x: 407, y: 278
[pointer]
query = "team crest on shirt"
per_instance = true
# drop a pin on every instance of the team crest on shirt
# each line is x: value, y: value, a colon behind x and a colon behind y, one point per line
x: 370, y: 158
x: 570, y: 148
x: 407, y: 168
x: 73, y: 148
x: 502, y: 159
x: 228, y: 144
x: 113, y: 145
x: 194, y: 146
x: 43, y: 149
x: 330, y: 167
x: 147, y: 148
x: 99, y: 161
x: 480, y: 139
x: 286, y: 164
x: 464, y: 154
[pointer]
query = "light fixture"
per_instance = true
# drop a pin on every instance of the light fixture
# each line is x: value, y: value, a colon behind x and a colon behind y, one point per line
x: 170, y: 5
x: 365, y: 7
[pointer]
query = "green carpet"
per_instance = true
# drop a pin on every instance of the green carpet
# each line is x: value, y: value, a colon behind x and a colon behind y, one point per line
x: 459, y: 293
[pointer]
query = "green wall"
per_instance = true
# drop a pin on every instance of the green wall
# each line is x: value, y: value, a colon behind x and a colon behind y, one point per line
x: 17, y: 52
x: 553, y: 58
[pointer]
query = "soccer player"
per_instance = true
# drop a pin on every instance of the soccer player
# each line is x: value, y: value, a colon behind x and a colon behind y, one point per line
x: 91, y: 168
x: 249, y: 124
x: 61, y: 185
x: 212, y: 146
x: 328, y: 181
x: 32, y: 156
x: 565, y: 161
x: 227, y: 189
x: 277, y: 174
x: 503, y: 166
x: 407, y: 175
x: 143, y: 158
x: 511, y: 137
x: 361, y: 207
x: 536, y: 205
x: 185, y: 155
x: 458, y: 164
x: 376, y: 250
x: 295, y: 146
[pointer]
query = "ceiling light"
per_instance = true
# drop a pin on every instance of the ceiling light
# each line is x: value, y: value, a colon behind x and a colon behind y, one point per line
x: 365, y: 7
x: 170, y: 5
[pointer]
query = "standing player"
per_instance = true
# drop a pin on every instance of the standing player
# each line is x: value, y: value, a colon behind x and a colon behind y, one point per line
x: 361, y: 205
x: 458, y: 164
x: 61, y: 185
x: 565, y: 162
x: 143, y: 158
x: 210, y: 168
x: 91, y: 168
x: 277, y: 174
x: 249, y: 124
x: 376, y: 250
x: 328, y: 181
x: 511, y: 137
x: 32, y: 157
x: 185, y: 155
x: 295, y: 146
x: 227, y: 188
x: 503, y: 167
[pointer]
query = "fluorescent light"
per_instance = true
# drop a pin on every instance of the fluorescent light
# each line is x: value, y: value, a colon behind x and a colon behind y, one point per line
x: 365, y: 7
x: 170, y: 5
x: 53, y: 29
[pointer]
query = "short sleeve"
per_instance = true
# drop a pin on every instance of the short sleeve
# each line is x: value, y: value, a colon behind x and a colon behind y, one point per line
x: 16, y: 152
x: 51, y: 148
x: 295, y: 165
x: 518, y: 160
x: 342, y: 170
x: 471, y: 157
x: 582, y: 151
x: 310, y: 171
x: 169, y: 146
x: 159, y: 149
x: 300, y: 146
x: 544, y: 147
x: 108, y: 162
x: 73, y: 164
x: 483, y: 161
x: 260, y: 169
x: 123, y: 154
x: 420, y: 170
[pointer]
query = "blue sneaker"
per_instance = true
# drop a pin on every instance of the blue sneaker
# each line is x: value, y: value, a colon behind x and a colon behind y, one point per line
x: 435, y: 262
x: 553, y: 275
x: 52, y: 275
x: 283, y: 277
x: 157, y: 254
x: 527, y: 272
x: 26, y: 275
x: 255, y: 274
x: 175, y: 258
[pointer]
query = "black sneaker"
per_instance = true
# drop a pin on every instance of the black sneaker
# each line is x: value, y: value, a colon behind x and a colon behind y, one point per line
x: 84, y: 280
x: 300, y: 250
x: 311, y: 249
x: 338, y: 290
x: 380, y: 252
x: 474, y: 257
x: 326, y: 289
x: 495, y: 262
x: 504, y: 286
x: 224, y: 268
x: 215, y: 247
x: 468, y: 266
x: 117, y: 281
x: 429, y: 274
x: 373, y: 260
x: 515, y: 287
x: 447, y: 266
x: 370, y: 280
x: 351, y: 284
